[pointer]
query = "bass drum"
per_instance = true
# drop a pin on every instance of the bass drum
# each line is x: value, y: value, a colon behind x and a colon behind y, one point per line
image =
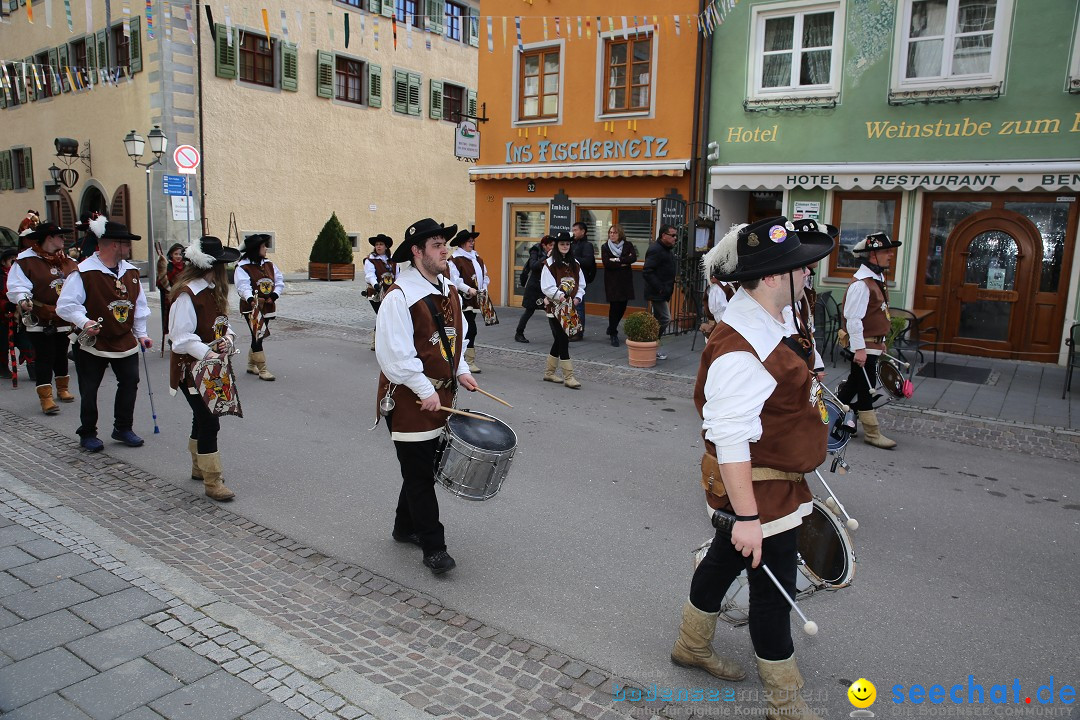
x: 826, y: 562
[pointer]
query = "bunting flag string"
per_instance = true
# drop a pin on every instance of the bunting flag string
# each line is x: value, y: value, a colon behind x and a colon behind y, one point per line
x: 491, y: 38
x: 71, y: 25
x: 126, y: 10
x: 228, y: 27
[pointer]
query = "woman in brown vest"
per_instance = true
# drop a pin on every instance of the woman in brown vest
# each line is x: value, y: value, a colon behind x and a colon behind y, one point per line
x: 199, y: 328
x: 258, y: 281
x: 380, y: 272
x: 561, y: 279
x: 469, y: 275
x: 618, y: 255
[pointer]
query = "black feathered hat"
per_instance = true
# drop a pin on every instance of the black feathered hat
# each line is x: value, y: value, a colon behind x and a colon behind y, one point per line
x: 767, y: 247
x: 418, y: 232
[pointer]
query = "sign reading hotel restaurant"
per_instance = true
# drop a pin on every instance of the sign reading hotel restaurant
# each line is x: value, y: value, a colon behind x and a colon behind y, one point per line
x: 986, y: 176
x: 587, y: 149
x: 467, y: 140
x: 560, y: 216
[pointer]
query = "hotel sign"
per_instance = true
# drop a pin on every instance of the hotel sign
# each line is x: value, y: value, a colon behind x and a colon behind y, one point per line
x: 903, y: 178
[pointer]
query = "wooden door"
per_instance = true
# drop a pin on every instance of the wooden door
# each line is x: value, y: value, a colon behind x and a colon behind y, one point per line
x: 992, y: 268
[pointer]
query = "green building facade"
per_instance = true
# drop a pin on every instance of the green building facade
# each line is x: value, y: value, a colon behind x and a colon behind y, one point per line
x: 953, y: 125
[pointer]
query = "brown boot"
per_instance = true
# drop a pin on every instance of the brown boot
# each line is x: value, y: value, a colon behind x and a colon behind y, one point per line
x: 44, y: 393
x: 210, y: 464
x: 260, y: 365
x: 872, y: 431
x: 193, y: 448
x: 782, y: 682
x: 62, y: 389
x: 694, y: 646
x: 470, y: 358
x: 552, y: 366
x: 252, y: 368
x: 568, y: 374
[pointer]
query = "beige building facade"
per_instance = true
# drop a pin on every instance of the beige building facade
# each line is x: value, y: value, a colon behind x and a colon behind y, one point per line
x: 290, y: 126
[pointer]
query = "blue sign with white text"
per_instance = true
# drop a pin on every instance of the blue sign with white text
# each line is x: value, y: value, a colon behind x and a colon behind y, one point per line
x: 174, y: 184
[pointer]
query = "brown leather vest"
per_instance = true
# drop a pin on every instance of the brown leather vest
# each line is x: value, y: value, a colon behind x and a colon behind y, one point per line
x: 262, y: 284
x: 468, y: 274
x: 47, y: 279
x: 209, y: 326
x: 113, y: 300
x: 876, y: 323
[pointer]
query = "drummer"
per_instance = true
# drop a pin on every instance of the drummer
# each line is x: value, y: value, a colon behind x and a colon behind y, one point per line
x: 867, y: 323
x: 762, y: 411
x: 418, y: 343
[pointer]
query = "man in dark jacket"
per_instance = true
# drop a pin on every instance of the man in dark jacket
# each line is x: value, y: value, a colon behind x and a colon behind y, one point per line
x: 533, y: 297
x: 585, y: 253
x: 658, y: 274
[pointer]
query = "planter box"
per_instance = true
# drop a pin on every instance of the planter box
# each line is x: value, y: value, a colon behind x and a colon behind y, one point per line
x: 642, y: 354
x: 331, y: 271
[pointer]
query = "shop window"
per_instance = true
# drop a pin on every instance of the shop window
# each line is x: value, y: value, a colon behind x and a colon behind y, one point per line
x: 538, y: 84
x: 628, y: 74
x: 636, y: 221
x: 797, y: 53
x: 945, y: 215
x: 257, y: 59
x: 857, y: 215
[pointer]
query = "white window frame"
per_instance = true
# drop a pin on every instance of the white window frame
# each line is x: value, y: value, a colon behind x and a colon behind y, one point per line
x: 998, y: 54
x: 601, y: 72
x: 516, y: 84
x: 760, y: 14
x: 354, y: 240
x: 1073, y: 84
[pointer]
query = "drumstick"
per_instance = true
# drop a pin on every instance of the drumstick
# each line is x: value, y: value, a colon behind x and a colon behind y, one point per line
x: 852, y: 523
x: 809, y: 626
x: 496, y: 399
x: 462, y: 412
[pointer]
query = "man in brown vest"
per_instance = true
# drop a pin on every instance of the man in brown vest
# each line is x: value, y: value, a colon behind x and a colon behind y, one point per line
x: 105, y: 300
x: 418, y: 343
x: 34, y: 282
x: 380, y: 272
x: 470, y: 277
x: 764, y: 426
x: 867, y: 323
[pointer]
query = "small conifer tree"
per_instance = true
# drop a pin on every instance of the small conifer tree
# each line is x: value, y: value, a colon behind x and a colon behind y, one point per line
x: 332, y: 245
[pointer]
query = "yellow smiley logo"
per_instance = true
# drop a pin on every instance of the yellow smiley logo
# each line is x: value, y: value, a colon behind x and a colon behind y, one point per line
x: 862, y: 693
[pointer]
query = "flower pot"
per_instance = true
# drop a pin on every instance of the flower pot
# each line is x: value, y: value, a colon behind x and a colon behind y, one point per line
x: 331, y: 271
x: 642, y: 354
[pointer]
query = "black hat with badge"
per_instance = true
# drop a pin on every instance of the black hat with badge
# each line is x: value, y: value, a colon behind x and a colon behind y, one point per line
x: 418, y: 232
x: 875, y: 241
x: 107, y: 230
x: 809, y: 225
x: 767, y: 247
x: 563, y: 236
x: 463, y: 236
x: 207, y: 251
x: 45, y: 230
x: 252, y: 243
x: 380, y: 238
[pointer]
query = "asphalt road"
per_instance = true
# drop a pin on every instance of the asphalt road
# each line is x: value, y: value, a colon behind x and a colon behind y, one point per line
x: 967, y: 557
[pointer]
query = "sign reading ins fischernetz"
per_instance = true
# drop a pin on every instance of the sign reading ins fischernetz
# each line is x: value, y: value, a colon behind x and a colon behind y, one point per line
x: 586, y: 149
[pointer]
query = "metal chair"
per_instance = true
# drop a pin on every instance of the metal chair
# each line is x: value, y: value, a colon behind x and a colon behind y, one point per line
x: 1073, y: 360
x: 909, y: 338
x: 826, y: 324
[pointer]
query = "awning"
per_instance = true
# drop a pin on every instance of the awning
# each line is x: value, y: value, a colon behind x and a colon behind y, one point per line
x: 1050, y: 175
x: 669, y: 168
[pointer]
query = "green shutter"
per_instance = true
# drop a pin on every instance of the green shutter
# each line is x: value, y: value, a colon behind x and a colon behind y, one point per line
x: 28, y: 168
x: 470, y: 105
x: 324, y: 74
x: 224, y: 54
x: 435, y: 100
x: 401, y: 91
x: 474, y: 29
x: 61, y: 65
x: 91, y: 59
x: 135, y: 45
x: 5, y: 169
x: 414, y: 94
x: 290, y: 67
x: 387, y: 8
x: 436, y: 15
x: 54, y: 72
x: 102, y: 49
x: 3, y: 98
x: 374, y: 7
x: 374, y: 86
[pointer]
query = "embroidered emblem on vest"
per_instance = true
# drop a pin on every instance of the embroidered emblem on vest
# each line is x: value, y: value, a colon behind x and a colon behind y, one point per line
x: 120, y: 310
x: 265, y: 286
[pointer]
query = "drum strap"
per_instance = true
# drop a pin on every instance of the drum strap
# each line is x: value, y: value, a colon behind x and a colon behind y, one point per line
x: 440, y: 325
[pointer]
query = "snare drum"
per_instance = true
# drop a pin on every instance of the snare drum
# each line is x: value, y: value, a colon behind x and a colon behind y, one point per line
x: 892, y: 379
x: 476, y: 456
x: 826, y: 562
x: 839, y: 436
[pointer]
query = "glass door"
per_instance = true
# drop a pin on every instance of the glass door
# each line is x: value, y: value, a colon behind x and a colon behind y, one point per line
x: 528, y: 223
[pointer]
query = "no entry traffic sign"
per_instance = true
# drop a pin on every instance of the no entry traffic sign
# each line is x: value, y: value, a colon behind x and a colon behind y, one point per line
x: 187, y: 159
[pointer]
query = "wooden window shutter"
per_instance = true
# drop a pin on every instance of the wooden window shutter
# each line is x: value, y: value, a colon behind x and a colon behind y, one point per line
x: 53, y: 77
x: 436, y: 11
x: 435, y: 100
x: 324, y: 74
x: 5, y: 169
x: 3, y: 99
x: 61, y: 67
x: 28, y: 168
x: 91, y: 59
x: 474, y: 28
x: 470, y: 104
x: 224, y: 54
x: 401, y: 91
x: 374, y: 86
x: 374, y: 7
x: 290, y: 67
x: 67, y: 209
x: 135, y: 45
x: 31, y: 77
x: 388, y: 8
x: 414, y: 94
x: 119, y: 207
x: 103, y: 49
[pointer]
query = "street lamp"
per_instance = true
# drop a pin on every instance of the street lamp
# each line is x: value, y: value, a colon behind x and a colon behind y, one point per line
x: 134, y: 144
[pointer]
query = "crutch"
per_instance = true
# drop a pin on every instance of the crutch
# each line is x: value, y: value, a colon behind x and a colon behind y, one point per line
x: 149, y: 389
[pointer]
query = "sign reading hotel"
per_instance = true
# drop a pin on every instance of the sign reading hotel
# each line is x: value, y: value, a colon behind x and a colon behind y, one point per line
x: 587, y: 149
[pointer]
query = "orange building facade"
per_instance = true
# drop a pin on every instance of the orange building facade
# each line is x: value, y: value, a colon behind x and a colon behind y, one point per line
x: 590, y: 119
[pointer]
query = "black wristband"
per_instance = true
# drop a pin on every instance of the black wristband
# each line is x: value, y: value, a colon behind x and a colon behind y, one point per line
x: 747, y: 518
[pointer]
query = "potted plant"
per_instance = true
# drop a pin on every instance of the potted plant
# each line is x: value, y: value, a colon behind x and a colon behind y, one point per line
x: 642, y: 338
x: 331, y: 256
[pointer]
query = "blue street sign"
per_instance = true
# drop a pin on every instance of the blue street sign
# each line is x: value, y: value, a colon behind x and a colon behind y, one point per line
x: 174, y: 184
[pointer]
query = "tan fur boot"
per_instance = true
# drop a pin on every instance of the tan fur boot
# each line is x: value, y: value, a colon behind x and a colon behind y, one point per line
x: 44, y: 393
x: 568, y: 374
x: 552, y: 366
x: 470, y: 358
x: 260, y: 365
x: 872, y: 431
x: 694, y: 646
x: 193, y: 448
x: 62, y: 389
x: 782, y: 681
x: 252, y: 368
x: 210, y: 464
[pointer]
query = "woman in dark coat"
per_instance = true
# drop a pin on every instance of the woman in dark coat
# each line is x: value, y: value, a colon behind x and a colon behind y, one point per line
x: 618, y: 255
x: 533, y: 297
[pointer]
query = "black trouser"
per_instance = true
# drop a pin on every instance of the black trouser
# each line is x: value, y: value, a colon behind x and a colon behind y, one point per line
x: 470, y: 331
x: 770, y: 614
x: 50, y: 355
x: 616, y: 310
x: 375, y: 305
x: 560, y: 346
x: 418, y: 506
x: 256, y: 345
x: 856, y: 384
x: 204, y: 424
x: 529, y: 310
x: 91, y: 370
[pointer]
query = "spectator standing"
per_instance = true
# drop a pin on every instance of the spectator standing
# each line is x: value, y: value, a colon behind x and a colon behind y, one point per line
x: 659, y: 278
x: 585, y: 253
x: 533, y: 297
x: 618, y: 257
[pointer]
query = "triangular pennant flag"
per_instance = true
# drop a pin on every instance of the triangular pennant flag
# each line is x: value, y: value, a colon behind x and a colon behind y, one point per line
x: 48, y: 13
x: 517, y: 24
x: 504, y: 31
x: 375, y: 31
x: 30, y: 12
x: 228, y: 28
x: 625, y: 33
x: 127, y: 19
x: 408, y: 31
x: 346, y: 30
x: 491, y: 36
x: 314, y: 28
x: 558, y: 32
x: 190, y: 24
x: 266, y: 26
x: 89, y: 16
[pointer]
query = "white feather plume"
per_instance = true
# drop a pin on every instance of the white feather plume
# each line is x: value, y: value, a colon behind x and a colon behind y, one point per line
x: 97, y: 225
x: 194, y: 254
x: 724, y: 255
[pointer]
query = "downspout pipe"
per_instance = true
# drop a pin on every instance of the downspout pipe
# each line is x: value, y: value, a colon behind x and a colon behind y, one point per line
x: 702, y: 101
x: 202, y: 135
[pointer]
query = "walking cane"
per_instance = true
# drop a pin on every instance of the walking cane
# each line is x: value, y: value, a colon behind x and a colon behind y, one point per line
x: 149, y: 389
x: 11, y: 354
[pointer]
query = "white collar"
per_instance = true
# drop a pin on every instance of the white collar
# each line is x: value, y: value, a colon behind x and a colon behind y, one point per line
x: 246, y: 261
x: 384, y: 258
x: 416, y: 287
x: 94, y: 263
x: 198, y: 285
x: 864, y: 272
x: 462, y: 252
x: 756, y: 325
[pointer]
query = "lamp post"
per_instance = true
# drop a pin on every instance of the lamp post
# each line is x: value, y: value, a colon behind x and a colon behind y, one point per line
x: 134, y: 144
